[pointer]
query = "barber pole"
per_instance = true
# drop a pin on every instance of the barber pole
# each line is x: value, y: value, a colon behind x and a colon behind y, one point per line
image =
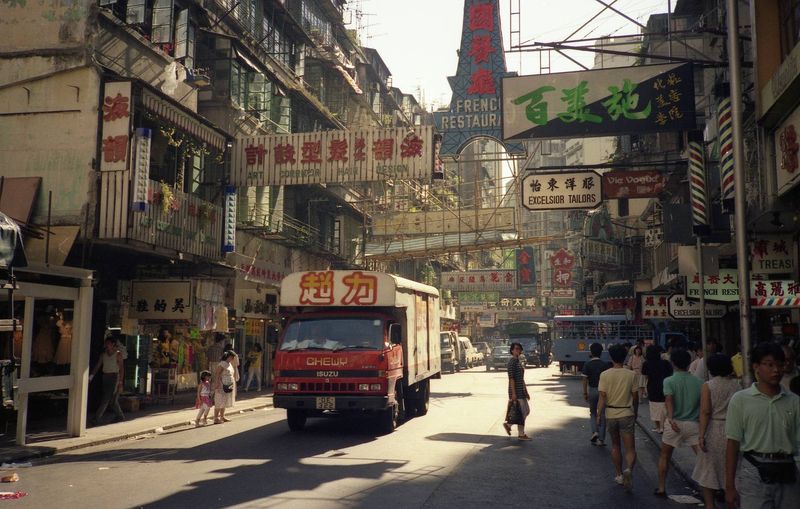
x: 697, y: 175
x: 724, y: 118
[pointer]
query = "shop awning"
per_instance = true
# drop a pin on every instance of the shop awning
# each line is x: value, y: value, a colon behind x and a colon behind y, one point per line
x: 185, y: 121
x: 614, y: 292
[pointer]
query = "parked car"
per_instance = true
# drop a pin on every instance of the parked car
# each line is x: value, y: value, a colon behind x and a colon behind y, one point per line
x: 484, y: 349
x: 469, y: 355
x: 499, y: 358
x: 451, y: 350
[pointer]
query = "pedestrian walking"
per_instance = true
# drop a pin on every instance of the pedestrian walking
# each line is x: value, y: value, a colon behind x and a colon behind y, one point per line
x: 214, y: 351
x: 518, y: 397
x: 224, y: 386
x: 111, y: 363
x: 635, y: 362
x: 655, y: 370
x: 619, y: 399
x: 254, y: 357
x: 682, y: 399
x: 709, y: 471
x: 203, y: 401
x: 763, y: 428
x: 591, y: 377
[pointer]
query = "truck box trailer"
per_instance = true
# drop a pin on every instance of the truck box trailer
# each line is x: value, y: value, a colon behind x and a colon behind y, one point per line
x: 356, y: 342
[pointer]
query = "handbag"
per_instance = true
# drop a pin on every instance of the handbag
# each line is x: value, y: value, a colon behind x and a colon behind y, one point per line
x: 781, y: 471
x: 514, y: 413
x: 227, y: 388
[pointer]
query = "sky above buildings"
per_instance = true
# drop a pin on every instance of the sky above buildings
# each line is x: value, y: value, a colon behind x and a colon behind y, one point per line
x: 418, y: 39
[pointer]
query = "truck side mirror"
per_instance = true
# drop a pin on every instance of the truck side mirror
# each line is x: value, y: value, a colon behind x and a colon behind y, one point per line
x: 395, y: 334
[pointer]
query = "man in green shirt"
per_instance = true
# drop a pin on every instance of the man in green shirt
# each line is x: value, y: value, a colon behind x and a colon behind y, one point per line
x: 682, y: 399
x: 763, y: 427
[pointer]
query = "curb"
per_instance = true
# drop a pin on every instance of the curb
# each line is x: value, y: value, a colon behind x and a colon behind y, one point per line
x: 26, y: 454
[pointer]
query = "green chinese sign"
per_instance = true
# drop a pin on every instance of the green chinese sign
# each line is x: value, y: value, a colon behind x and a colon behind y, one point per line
x: 603, y: 102
x: 478, y: 297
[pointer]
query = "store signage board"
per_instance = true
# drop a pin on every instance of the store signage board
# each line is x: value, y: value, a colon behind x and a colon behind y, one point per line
x: 772, y: 254
x: 633, y: 184
x: 681, y: 308
x: 654, y: 306
x: 161, y: 300
x: 526, y: 267
x: 559, y: 293
x: 318, y: 157
x: 444, y: 221
x: 116, y: 126
x: 562, y: 191
x: 479, y: 280
x: 722, y: 287
x: 477, y: 297
x: 787, y: 152
x: 622, y: 100
x: 775, y: 294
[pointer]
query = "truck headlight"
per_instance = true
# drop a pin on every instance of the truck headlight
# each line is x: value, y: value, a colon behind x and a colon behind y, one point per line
x: 363, y: 387
x: 283, y: 387
x: 375, y: 387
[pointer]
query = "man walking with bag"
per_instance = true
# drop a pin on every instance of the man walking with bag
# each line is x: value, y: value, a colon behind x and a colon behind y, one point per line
x: 518, y: 406
x: 763, y: 428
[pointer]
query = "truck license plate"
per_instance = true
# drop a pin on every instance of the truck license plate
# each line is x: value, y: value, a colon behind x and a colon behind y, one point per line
x: 326, y: 403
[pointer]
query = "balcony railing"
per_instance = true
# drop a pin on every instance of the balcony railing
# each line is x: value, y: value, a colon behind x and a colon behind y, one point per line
x: 180, y: 222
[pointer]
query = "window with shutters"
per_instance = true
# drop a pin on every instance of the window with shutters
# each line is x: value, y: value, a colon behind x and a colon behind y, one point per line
x: 185, y: 39
x: 162, y: 21
x: 136, y: 12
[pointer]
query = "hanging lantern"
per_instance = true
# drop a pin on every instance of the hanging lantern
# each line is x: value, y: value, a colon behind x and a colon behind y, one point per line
x: 725, y: 120
x: 697, y: 178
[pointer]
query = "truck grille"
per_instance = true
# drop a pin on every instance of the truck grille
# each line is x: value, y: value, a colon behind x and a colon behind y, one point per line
x: 328, y: 387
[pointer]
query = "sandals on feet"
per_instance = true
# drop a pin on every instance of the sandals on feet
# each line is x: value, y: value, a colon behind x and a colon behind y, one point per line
x: 523, y: 437
x: 660, y: 494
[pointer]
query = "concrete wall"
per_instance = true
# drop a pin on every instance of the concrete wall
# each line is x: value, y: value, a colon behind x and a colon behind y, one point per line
x: 49, y: 130
x: 29, y: 25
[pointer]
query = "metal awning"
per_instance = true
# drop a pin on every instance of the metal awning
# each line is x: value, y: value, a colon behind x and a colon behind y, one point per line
x: 185, y: 121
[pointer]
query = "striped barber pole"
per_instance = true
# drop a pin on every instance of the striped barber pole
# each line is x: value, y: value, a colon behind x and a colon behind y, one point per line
x: 725, y: 120
x: 697, y: 176
x: 775, y: 302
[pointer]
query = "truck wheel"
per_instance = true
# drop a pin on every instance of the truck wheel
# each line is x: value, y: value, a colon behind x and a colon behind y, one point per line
x: 387, y: 420
x: 488, y: 368
x: 452, y: 368
x: 424, y: 398
x: 296, y: 419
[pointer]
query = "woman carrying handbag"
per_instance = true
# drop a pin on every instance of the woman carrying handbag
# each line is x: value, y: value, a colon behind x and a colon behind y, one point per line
x: 518, y: 397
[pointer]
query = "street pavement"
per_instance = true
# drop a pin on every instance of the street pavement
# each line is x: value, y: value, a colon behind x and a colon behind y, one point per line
x: 457, y: 456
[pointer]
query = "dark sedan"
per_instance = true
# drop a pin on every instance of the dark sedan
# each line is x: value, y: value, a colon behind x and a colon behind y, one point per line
x: 499, y: 358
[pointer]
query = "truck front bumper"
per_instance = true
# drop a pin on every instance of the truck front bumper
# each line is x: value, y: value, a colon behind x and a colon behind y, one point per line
x: 342, y: 402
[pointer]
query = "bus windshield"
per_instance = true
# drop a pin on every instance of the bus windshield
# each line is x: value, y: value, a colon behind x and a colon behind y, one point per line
x: 334, y: 334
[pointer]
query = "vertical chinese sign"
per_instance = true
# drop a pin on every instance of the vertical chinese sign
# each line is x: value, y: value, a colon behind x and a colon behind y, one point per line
x: 526, y: 267
x: 562, y: 263
x: 116, y: 121
x: 475, y: 107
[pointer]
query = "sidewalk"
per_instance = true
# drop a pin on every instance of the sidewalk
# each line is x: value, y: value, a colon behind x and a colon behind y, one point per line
x: 683, y: 458
x: 153, y: 419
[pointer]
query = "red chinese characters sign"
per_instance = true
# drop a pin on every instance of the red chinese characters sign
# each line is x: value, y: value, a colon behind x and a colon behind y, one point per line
x: 328, y: 288
x: 334, y: 157
x: 654, y: 306
x: 116, y: 117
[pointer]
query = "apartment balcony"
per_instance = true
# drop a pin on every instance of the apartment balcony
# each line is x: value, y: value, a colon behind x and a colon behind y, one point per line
x: 172, y: 220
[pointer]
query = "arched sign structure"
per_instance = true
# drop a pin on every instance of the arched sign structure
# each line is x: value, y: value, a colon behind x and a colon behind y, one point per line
x: 476, y: 107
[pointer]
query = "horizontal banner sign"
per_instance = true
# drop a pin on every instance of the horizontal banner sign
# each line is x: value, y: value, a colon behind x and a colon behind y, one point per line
x: 721, y: 287
x: 622, y: 100
x: 444, y: 221
x: 480, y: 280
x: 772, y: 254
x: 654, y: 306
x: 633, y: 184
x: 775, y: 294
x: 361, y: 155
x: 161, y: 300
x: 558, y: 191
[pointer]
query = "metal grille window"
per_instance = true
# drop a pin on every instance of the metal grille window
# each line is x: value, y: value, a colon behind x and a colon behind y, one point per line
x: 238, y: 84
x: 184, y: 39
x: 162, y: 21
x: 259, y: 95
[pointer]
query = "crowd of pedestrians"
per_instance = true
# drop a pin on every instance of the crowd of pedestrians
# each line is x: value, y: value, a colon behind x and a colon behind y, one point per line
x: 745, y: 439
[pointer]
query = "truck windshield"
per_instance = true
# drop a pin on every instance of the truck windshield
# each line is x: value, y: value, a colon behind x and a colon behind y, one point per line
x: 334, y: 334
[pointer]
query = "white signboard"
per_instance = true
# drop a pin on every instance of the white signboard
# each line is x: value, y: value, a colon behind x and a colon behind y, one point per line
x: 161, y: 300
x: 654, y: 306
x: 721, y: 287
x: 682, y: 308
x: 116, y: 115
x: 359, y: 155
x: 252, y: 303
x: 557, y: 191
x: 444, y: 221
x: 772, y: 254
x: 478, y: 280
x: 559, y: 293
x: 775, y: 294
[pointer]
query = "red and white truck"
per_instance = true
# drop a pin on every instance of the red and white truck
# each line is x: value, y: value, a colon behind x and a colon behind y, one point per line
x: 356, y: 342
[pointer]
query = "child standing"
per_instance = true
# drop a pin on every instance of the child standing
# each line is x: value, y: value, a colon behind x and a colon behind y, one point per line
x: 203, y: 401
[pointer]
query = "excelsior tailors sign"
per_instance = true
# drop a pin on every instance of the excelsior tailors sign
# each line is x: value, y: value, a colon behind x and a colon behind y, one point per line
x: 557, y: 191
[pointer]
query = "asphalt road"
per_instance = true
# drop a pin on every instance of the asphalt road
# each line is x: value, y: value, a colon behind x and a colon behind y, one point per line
x: 457, y: 456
